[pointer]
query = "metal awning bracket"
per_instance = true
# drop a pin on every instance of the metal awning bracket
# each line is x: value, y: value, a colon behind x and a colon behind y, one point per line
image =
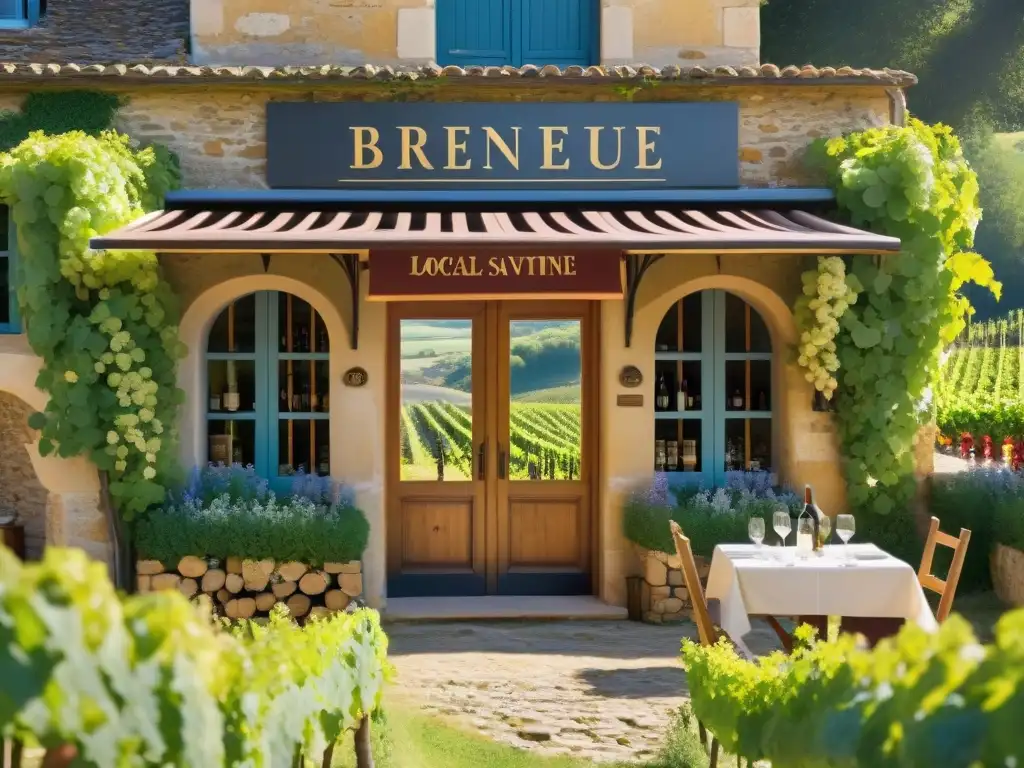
x: 636, y: 268
x: 349, y: 262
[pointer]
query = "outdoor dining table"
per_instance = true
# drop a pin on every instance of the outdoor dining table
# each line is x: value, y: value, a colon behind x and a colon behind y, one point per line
x: 873, y: 592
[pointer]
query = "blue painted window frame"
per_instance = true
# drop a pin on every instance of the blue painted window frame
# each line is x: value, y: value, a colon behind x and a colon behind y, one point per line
x: 714, y: 412
x: 266, y: 415
x: 13, y: 324
x: 516, y: 27
x: 27, y: 15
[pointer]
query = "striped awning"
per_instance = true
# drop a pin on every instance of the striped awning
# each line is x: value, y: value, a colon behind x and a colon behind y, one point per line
x: 637, y: 230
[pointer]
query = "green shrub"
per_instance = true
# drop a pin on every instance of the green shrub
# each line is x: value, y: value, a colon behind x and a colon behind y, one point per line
x: 916, y: 701
x: 229, y: 511
x: 707, y: 517
x: 150, y: 680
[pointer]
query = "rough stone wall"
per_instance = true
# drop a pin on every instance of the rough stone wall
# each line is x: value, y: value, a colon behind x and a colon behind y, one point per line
x: 20, y: 489
x: 296, y: 32
x: 219, y: 133
x: 102, y: 32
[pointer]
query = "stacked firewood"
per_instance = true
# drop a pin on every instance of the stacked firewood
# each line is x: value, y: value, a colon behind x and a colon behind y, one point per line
x: 243, y: 589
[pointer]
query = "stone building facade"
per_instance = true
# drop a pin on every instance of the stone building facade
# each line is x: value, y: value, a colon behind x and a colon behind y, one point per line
x: 215, y: 119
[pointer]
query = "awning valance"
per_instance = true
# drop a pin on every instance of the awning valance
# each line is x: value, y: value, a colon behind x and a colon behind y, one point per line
x: 636, y: 230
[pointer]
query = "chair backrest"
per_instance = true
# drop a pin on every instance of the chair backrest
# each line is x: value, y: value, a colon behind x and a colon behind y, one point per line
x: 705, y: 627
x: 945, y: 589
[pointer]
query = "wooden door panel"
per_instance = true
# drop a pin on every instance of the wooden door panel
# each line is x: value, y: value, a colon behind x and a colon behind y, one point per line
x: 545, y: 533
x: 437, y: 533
x: 438, y: 392
x: 545, y: 388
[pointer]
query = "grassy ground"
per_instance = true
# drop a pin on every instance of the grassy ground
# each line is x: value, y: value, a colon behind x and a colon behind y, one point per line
x: 411, y: 740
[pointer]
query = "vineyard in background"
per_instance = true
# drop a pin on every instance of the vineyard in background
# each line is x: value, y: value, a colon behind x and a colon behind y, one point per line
x: 982, y: 388
x: 545, y: 441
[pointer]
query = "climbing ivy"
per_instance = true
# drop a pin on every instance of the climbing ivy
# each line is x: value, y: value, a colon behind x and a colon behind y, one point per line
x: 56, y: 112
x: 104, y: 323
x: 913, y: 183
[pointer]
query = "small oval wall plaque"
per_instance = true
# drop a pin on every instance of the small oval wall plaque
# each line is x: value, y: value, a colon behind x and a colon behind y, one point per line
x: 355, y: 377
x: 631, y: 377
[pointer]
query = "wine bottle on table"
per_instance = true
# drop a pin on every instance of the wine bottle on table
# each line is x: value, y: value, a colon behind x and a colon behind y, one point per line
x: 808, y: 531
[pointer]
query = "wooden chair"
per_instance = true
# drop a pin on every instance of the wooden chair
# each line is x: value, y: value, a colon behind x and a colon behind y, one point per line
x: 707, y: 616
x: 945, y: 589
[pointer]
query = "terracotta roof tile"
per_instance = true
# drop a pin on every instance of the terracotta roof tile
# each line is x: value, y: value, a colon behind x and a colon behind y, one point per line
x: 722, y: 75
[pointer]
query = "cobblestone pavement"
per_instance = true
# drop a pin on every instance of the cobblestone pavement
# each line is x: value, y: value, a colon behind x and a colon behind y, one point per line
x: 603, y: 690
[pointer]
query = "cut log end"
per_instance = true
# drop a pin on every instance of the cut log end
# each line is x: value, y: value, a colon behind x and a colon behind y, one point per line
x: 298, y: 605
x: 265, y: 601
x: 192, y: 567
x: 213, y: 580
x: 313, y: 583
x: 241, y: 608
x: 234, y: 583
x: 188, y: 587
x: 284, y: 588
x: 336, y: 600
x: 292, y: 571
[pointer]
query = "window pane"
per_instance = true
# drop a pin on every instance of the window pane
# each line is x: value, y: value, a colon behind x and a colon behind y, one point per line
x: 436, y: 425
x: 322, y: 447
x: 299, y: 328
x: 232, y: 385
x: 232, y: 442
x: 672, y: 380
x: 760, y: 341
x: 234, y: 330
x: 743, y: 455
x: 545, y: 369
x: 677, y: 445
x: 680, y: 331
x: 303, y: 386
x: 295, y: 446
x: 735, y: 324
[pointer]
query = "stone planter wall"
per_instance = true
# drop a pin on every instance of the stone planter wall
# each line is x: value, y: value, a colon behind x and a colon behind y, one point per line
x: 1008, y: 574
x: 665, y: 597
x: 242, y: 589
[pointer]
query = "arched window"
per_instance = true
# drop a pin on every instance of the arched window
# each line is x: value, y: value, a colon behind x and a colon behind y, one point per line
x: 712, y: 389
x: 268, y: 388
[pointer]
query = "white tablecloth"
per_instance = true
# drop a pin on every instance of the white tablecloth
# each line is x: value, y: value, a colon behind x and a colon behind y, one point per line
x: 878, y: 586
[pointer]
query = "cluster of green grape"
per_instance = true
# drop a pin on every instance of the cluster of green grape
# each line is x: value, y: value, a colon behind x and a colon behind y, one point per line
x: 826, y: 297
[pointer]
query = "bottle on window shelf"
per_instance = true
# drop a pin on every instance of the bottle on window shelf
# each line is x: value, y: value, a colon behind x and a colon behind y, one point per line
x: 284, y: 342
x: 683, y: 397
x: 236, y: 456
x: 325, y: 402
x: 737, y: 401
x: 314, y: 401
x: 661, y: 399
x: 659, y: 455
x: 323, y: 467
x: 282, y: 401
x: 321, y: 339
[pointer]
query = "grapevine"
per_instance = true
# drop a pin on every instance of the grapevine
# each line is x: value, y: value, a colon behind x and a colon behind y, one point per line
x: 150, y: 680
x: 910, y: 182
x: 827, y: 294
x: 104, y: 323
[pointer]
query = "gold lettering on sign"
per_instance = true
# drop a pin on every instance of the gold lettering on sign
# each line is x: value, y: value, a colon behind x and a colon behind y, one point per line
x: 595, y: 148
x: 646, y: 147
x: 411, y: 146
x: 493, y: 137
x: 454, y: 148
x: 366, y: 139
x: 497, y: 266
x: 551, y: 146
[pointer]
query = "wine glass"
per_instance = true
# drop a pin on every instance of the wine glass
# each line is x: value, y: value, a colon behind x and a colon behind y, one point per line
x: 824, y: 531
x: 845, y: 528
x: 782, y: 525
x: 755, y: 529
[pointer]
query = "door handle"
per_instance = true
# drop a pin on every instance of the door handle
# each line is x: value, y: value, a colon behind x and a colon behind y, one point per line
x: 502, y: 459
x: 481, y: 461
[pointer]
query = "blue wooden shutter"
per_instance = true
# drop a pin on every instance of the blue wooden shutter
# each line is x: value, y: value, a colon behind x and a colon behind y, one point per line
x: 560, y: 32
x: 12, y: 9
x: 474, y: 32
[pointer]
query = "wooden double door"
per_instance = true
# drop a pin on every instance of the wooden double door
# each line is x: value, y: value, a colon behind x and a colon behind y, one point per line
x: 491, y: 439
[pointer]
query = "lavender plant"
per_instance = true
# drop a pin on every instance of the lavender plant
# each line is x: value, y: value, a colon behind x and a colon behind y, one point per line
x: 708, y: 516
x: 230, y: 511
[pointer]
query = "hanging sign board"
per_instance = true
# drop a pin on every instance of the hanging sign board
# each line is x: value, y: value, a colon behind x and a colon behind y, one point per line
x: 549, y: 145
x: 494, y: 275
